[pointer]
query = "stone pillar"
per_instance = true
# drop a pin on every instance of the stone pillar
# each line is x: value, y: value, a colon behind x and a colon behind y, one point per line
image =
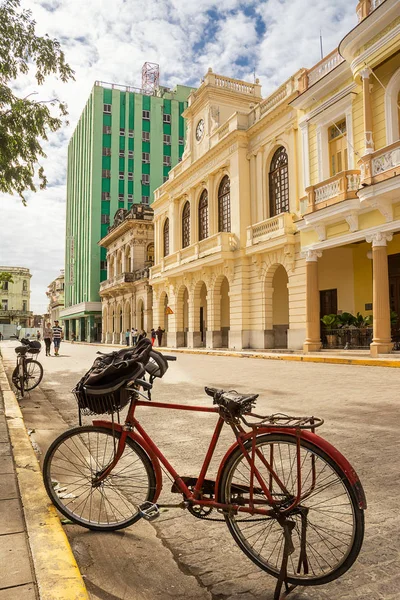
x: 261, y: 210
x: 368, y: 136
x: 212, y: 206
x: 382, y: 339
x: 313, y: 331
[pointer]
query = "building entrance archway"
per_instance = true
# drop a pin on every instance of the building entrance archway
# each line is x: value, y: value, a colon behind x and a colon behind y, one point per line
x: 276, y: 307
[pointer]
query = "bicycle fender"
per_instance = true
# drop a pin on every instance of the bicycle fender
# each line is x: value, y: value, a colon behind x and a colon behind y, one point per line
x: 139, y: 440
x: 318, y: 441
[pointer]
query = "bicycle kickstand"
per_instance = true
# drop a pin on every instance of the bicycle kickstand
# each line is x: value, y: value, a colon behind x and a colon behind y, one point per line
x: 288, y: 549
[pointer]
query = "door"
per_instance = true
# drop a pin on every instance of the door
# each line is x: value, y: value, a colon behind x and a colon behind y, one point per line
x: 338, y: 148
x: 202, y: 323
x: 328, y: 302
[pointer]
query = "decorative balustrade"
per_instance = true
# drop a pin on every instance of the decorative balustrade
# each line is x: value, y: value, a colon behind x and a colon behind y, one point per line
x: 385, y: 162
x: 274, y: 99
x: 235, y: 85
x: 342, y: 186
x: 270, y: 228
x: 218, y: 243
x: 324, y: 67
x: 223, y: 131
x: 122, y: 278
x: 379, y: 165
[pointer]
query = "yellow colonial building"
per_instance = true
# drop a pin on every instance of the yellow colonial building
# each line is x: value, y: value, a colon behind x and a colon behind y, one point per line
x: 287, y: 208
x: 350, y: 217
x: 126, y: 296
x: 15, y: 301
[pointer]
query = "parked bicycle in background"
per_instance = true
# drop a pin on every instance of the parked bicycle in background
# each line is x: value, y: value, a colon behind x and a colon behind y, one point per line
x: 28, y: 372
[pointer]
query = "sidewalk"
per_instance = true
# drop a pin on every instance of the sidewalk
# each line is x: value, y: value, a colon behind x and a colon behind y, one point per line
x: 36, y: 561
x: 334, y: 357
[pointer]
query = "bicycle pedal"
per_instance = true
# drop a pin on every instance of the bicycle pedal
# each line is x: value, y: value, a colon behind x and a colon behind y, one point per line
x: 149, y: 511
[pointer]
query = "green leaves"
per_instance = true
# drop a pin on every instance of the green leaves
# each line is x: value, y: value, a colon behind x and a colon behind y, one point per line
x: 25, y: 122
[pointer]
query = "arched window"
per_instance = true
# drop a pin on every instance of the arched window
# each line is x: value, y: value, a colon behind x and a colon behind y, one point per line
x: 279, y: 183
x: 150, y: 253
x: 224, y: 205
x: 24, y: 286
x: 186, y: 225
x: 166, y: 237
x: 203, y: 216
x: 392, y: 99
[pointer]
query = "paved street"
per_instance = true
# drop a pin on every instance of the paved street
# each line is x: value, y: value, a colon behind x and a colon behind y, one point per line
x: 178, y: 555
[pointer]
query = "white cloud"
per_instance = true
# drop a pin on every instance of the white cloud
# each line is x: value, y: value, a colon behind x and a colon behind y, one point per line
x: 109, y: 41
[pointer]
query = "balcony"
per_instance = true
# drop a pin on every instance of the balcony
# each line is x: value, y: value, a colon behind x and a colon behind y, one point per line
x: 212, y: 250
x: 366, y: 7
x: 325, y: 66
x: 270, y: 229
x: 343, y: 186
x: 380, y: 165
x: 121, y: 281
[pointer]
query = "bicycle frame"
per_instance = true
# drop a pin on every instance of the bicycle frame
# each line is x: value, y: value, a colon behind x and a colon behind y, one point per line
x: 134, y: 430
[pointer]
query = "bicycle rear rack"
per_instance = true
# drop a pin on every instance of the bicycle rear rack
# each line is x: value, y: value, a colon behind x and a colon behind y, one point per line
x: 280, y: 420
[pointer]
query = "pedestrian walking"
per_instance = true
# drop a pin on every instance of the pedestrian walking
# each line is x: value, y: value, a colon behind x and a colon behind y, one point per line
x: 142, y: 335
x: 73, y: 337
x: 57, y: 337
x: 48, y: 337
x: 134, y: 336
x: 159, y: 334
x: 1, y: 337
x: 127, y: 336
x: 153, y: 336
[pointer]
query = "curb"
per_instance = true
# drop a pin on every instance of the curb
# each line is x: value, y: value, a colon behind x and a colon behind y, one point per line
x: 306, y: 358
x: 56, y: 571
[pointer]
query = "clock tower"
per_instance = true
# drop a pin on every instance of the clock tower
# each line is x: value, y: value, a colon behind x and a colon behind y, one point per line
x: 211, y: 106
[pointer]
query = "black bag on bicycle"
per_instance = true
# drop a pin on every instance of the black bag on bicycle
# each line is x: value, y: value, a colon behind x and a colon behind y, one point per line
x: 102, y: 389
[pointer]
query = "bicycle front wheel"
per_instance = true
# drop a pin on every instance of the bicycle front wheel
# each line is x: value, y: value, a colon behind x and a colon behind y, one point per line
x: 328, y: 523
x: 76, y: 457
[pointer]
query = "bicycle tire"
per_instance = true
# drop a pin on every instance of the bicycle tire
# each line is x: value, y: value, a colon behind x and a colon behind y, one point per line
x: 32, y: 380
x: 18, y: 380
x: 335, y: 487
x: 72, y: 460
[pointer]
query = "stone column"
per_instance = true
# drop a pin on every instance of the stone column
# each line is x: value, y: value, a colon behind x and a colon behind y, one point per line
x: 368, y: 136
x: 261, y: 209
x: 313, y: 336
x: 212, y: 206
x: 382, y: 339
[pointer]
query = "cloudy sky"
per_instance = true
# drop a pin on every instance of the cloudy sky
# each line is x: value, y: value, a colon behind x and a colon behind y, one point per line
x: 110, y: 41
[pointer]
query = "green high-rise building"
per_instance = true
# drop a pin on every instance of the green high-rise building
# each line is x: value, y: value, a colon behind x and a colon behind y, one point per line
x: 122, y: 149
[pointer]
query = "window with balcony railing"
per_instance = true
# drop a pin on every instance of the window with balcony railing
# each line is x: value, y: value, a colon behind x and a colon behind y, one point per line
x: 337, y: 148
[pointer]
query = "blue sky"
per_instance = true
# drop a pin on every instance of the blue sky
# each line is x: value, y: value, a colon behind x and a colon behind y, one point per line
x: 110, y: 41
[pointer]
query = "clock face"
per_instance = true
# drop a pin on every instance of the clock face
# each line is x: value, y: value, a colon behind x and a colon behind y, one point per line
x: 199, y: 130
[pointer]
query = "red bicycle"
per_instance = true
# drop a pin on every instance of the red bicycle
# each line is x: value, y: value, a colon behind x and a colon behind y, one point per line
x: 291, y: 501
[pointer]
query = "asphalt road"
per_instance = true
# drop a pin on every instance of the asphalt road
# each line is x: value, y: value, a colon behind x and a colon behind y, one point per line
x: 178, y: 555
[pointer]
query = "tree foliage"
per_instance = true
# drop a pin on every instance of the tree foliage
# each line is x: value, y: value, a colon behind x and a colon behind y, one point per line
x: 6, y: 276
x: 25, y: 122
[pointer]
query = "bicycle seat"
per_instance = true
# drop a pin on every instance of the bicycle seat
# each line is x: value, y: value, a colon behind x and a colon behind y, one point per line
x: 232, y: 404
x: 21, y: 349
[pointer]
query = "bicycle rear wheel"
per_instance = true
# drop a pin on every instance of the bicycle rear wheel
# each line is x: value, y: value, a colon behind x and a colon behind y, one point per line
x: 33, y: 374
x: 76, y: 457
x: 334, y: 523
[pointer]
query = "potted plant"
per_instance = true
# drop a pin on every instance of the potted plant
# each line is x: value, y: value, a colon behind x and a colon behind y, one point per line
x: 330, y: 322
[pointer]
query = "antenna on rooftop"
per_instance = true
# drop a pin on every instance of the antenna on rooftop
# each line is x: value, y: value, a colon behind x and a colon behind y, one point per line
x: 320, y: 43
x: 150, y: 77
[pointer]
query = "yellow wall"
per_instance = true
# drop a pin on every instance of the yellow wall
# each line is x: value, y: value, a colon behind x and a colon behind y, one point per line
x: 362, y: 278
x: 384, y: 72
x: 335, y: 271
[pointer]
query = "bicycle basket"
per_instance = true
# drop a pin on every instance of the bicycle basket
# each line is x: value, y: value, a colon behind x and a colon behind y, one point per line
x: 102, y: 400
x: 34, y: 347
